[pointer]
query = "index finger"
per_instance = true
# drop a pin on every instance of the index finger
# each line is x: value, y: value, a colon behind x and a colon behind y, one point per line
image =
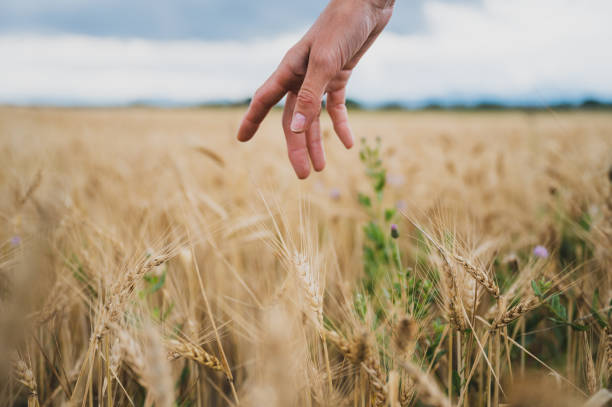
x: 268, y: 95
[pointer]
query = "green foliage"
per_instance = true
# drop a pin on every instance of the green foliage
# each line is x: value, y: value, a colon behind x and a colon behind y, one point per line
x: 554, y: 305
x: 153, y: 282
x: 387, y: 284
x: 379, y: 250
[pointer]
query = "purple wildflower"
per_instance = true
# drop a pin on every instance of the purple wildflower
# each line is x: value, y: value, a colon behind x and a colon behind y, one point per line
x: 394, y: 231
x: 15, y: 241
x: 540, y: 251
x: 334, y: 193
x: 401, y: 205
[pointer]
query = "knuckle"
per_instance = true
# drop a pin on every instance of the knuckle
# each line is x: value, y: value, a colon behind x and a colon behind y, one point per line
x: 306, y: 97
x: 259, y: 93
x: 340, y: 108
x: 323, y: 60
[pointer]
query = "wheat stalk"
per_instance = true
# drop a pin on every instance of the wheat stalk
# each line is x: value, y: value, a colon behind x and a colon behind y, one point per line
x: 34, y: 184
x: 393, y: 389
x: 427, y: 389
x: 148, y: 366
x: 608, y: 353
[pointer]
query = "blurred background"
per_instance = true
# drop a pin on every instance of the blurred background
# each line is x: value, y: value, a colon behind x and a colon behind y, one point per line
x: 187, y: 52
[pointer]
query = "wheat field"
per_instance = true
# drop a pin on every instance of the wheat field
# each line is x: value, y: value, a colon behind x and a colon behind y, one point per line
x: 147, y: 258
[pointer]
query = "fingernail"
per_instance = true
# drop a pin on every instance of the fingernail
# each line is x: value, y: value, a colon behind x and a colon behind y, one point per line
x: 298, y: 122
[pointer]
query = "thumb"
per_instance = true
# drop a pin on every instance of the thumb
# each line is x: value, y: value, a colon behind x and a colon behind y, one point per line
x: 320, y: 72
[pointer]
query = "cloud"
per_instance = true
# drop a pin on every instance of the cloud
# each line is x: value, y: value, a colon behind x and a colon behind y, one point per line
x: 103, y: 70
x: 515, y: 51
x: 521, y: 49
x: 177, y: 19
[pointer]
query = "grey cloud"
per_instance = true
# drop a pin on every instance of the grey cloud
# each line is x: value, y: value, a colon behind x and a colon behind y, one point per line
x: 181, y: 19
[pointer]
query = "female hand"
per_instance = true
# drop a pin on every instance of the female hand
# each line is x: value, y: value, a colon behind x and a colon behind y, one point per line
x: 320, y: 63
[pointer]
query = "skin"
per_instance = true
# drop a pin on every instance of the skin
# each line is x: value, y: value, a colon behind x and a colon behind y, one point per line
x: 319, y: 64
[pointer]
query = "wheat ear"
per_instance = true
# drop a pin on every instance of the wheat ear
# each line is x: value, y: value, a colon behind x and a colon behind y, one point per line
x: 26, y: 377
x: 121, y: 293
x: 480, y: 276
x: 180, y: 348
x: 515, y: 312
x: 591, y: 379
x: 310, y: 285
x: 359, y: 353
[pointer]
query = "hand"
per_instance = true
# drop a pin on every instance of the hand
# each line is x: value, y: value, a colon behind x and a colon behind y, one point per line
x: 320, y: 63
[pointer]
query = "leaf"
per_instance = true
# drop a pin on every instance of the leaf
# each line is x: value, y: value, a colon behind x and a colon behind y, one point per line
x: 585, y: 221
x: 578, y: 327
x: 595, y: 309
x: 154, y: 283
x: 559, y: 310
x: 536, y: 288
x: 389, y: 214
x: 380, y: 181
x: 456, y: 382
x: 374, y: 234
x: 364, y: 200
x: 167, y: 312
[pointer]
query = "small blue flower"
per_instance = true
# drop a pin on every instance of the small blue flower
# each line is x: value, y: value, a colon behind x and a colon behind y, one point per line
x: 15, y: 241
x: 401, y: 205
x: 540, y: 251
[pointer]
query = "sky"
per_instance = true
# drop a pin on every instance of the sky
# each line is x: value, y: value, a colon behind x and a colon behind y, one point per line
x: 110, y: 52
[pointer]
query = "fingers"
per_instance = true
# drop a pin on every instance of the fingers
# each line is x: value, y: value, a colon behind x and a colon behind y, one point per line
x: 315, y: 145
x: 336, y: 107
x: 268, y: 95
x: 321, y: 70
x: 296, y: 142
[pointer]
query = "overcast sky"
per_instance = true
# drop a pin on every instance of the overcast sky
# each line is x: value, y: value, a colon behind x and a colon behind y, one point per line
x: 186, y: 51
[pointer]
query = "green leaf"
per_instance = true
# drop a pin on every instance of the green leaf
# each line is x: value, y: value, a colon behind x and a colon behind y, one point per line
x: 167, y: 312
x: 364, y: 200
x: 595, y: 309
x: 556, y: 306
x: 456, y: 383
x: 381, y: 179
x: 578, y: 327
x: 536, y: 288
x: 389, y: 214
x: 585, y: 221
x: 375, y: 234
